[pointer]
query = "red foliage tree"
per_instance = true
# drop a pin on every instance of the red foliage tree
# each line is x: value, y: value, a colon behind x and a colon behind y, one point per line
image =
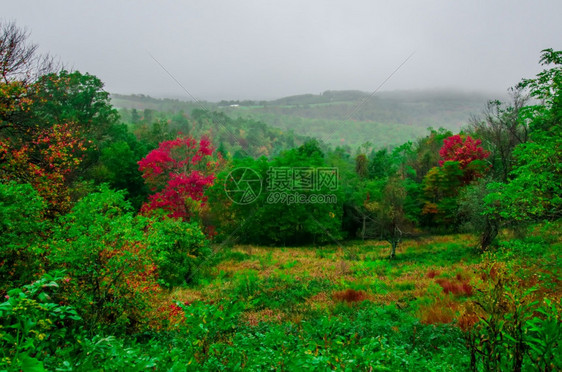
x: 179, y: 171
x: 47, y: 162
x: 462, y: 162
x: 48, y: 132
x: 465, y: 150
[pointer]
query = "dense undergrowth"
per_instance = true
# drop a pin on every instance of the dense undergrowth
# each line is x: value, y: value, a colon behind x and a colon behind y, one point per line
x: 439, y: 306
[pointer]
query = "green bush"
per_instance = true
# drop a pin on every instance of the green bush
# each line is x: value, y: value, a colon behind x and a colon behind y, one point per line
x: 179, y: 248
x: 102, y: 247
x: 518, y: 331
x: 22, y: 226
x: 34, y: 329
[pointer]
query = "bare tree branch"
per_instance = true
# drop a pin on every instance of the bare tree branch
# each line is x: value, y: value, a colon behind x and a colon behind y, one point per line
x: 19, y: 58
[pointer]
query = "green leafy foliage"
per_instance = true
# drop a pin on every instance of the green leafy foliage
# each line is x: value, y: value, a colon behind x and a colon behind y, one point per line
x: 296, y: 221
x: 22, y: 224
x: 516, y: 329
x: 118, y: 167
x: 33, y: 327
x: 75, y: 97
x: 179, y: 250
x: 534, y: 191
x: 102, y: 247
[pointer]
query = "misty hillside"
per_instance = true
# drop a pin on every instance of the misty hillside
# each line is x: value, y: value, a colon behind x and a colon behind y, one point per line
x: 341, y: 117
x: 329, y: 231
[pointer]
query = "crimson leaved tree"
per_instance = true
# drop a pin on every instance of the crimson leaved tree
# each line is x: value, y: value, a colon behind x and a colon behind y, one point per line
x: 463, y: 161
x: 179, y: 171
x: 465, y: 150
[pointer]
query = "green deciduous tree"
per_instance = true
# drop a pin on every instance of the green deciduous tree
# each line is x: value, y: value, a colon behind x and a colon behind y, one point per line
x: 534, y: 191
x: 118, y: 167
x: 295, y: 221
x: 388, y: 220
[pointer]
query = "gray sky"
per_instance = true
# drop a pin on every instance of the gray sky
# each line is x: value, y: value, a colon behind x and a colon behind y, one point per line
x: 265, y: 49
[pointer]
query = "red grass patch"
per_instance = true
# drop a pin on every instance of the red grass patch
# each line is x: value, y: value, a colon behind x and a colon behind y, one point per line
x: 456, y: 288
x: 432, y: 274
x: 467, y: 289
x: 349, y: 296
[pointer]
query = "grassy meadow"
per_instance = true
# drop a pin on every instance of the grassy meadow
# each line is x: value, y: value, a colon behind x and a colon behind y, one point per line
x: 351, y: 308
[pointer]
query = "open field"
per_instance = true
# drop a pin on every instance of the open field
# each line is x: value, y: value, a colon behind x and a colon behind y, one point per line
x: 350, y: 307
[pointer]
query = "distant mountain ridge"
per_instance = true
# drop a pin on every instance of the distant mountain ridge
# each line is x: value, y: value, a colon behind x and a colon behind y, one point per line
x: 347, y: 117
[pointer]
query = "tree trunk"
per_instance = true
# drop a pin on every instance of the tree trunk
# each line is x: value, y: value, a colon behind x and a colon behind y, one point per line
x: 394, y: 244
x: 395, y: 240
x: 363, y: 227
x: 489, y: 234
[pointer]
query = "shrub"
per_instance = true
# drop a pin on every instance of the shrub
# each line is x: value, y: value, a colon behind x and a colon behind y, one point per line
x: 207, y: 324
x: 179, y: 250
x: 103, y: 249
x: 21, y: 226
x: 516, y: 331
x: 33, y: 327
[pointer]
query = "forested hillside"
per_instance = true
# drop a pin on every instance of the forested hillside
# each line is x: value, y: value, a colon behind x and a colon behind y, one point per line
x: 168, y: 236
x: 344, y: 118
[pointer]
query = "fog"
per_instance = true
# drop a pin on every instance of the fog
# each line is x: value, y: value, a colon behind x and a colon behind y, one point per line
x: 263, y: 49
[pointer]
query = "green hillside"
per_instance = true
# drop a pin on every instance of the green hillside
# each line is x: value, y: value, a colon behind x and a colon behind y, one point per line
x: 341, y: 117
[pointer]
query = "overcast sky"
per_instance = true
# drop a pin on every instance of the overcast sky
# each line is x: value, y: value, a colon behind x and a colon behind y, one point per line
x: 265, y: 49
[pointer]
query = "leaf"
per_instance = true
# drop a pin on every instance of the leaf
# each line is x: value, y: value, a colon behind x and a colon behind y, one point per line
x: 30, y: 364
